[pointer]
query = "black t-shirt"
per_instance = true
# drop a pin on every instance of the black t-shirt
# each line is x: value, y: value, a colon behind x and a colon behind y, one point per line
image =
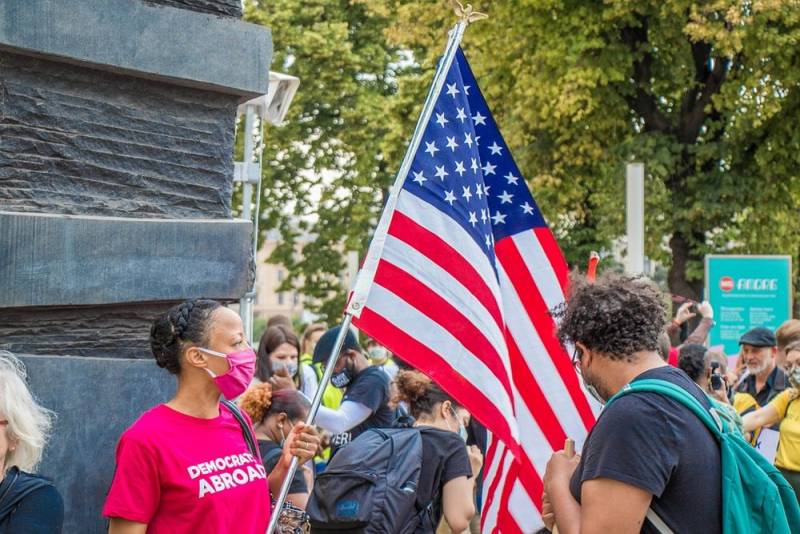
x: 270, y: 459
x: 654, y: 443
x: 444, y: 457
x: 370, y: 387
x: 776, y: 382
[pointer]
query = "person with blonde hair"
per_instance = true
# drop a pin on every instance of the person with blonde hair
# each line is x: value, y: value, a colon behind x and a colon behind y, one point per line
x: 28, y: 503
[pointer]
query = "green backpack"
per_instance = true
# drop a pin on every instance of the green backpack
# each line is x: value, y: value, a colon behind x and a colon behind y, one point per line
x: 755, y: 496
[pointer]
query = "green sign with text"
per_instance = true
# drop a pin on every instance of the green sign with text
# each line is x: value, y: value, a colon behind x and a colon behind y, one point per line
x: 745, y: 292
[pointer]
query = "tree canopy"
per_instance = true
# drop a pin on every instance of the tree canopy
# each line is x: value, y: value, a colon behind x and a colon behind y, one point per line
x: 705, y: 94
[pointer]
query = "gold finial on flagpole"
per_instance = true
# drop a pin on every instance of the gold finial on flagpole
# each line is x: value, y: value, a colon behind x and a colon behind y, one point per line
x: 467, y: 14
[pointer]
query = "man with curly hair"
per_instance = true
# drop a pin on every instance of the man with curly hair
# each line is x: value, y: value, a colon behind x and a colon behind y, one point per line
x: 646, y: 451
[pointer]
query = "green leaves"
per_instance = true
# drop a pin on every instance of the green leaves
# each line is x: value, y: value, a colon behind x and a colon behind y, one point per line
x: 705, y: 94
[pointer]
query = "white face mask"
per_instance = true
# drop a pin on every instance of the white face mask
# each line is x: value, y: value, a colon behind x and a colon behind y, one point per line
x: 378, y: 355
x: 462, y: 432
x: 291, y: 367
x: 591, y: 389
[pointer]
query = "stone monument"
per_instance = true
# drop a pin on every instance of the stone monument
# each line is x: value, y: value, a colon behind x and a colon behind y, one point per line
x: 116, y: 173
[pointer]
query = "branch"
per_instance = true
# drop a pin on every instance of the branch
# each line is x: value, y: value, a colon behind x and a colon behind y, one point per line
x: 693, y: 109
x: 642, y: 101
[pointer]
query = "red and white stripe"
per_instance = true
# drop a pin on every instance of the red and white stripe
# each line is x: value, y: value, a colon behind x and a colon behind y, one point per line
x: 430, y: 294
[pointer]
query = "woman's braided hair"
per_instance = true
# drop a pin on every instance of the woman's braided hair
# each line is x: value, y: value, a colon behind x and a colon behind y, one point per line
x: 186, y: 323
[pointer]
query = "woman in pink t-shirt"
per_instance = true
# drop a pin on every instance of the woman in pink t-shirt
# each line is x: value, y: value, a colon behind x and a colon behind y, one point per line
x: 185, y: 466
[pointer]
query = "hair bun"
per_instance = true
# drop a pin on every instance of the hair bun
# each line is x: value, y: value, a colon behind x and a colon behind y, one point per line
x: 412, y: 385
x: 163, y: 341
x: 256, y: 401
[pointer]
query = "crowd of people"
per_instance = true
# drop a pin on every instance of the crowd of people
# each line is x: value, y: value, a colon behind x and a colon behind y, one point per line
x: 214, y: 457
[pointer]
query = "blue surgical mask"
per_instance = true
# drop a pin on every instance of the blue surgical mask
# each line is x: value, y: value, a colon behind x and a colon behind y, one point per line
x: 291, y: 367
x: 462, y: 432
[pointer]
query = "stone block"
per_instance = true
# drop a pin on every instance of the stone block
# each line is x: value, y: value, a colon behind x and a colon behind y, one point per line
x: 114, y: 330
x: 61, y: 260
x: 83, y: 141
x: 95, y: 400
x: 145, y: 40
x: 226, y: 8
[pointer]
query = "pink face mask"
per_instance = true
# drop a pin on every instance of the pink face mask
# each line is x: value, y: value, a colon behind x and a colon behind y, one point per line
x: 242, y: 367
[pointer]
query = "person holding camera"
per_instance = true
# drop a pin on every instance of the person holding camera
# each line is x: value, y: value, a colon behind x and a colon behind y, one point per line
x: 708, y: 370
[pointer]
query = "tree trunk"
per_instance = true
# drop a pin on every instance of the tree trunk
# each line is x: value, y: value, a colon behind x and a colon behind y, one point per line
x: 676, y: 278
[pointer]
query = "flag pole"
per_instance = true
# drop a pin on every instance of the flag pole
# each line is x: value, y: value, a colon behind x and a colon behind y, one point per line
x: 366, y: 275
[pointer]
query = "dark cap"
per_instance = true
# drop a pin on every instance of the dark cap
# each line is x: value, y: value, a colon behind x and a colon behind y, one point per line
x: 759, y: 337
x: 325, y: 344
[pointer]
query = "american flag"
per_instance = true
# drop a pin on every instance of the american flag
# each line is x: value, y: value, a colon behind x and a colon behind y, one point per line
x: 459, y: 281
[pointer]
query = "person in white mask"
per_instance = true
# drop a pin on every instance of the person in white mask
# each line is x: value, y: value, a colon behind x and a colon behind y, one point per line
x: 645, y: 451
x: 381, y: 357
x: 279, y: 358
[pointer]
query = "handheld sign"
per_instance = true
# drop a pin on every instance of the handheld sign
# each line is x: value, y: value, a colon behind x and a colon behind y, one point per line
x: 767, y: 444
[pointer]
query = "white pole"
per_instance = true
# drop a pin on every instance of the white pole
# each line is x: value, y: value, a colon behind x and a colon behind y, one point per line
x: 246, y: 302
x: 634, y: 217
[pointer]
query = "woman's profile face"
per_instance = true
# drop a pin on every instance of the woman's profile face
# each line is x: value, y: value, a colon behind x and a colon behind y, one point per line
x: 226, y: 335
x: 284, y: 354
x: 5, y: 444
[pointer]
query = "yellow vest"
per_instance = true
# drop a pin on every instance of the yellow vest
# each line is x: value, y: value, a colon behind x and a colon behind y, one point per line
x: 332, y: 396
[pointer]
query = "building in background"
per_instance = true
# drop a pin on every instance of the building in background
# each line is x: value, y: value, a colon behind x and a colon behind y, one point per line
x: 269, y: 276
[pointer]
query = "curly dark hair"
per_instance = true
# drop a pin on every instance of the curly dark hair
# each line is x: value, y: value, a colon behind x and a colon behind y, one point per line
x: 181, y: 325
x: 692, y: 359
x: 616, y: 316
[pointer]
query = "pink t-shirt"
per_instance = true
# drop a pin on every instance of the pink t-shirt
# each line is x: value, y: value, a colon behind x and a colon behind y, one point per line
x: 178, y: 473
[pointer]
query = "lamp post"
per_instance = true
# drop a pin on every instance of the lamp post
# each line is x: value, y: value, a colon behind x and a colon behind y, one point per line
x: 271, y: 108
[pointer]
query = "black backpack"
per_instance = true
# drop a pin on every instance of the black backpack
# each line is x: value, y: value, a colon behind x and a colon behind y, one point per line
x: 370, y: 486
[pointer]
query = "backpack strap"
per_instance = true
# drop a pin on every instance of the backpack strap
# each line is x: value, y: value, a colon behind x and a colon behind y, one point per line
x: 657, y: 522
x: 248, y: 436
x: 709, y: 417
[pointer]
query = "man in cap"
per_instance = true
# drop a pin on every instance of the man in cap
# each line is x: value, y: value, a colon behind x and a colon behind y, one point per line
x: 758, y: 352
x: 365, y: 403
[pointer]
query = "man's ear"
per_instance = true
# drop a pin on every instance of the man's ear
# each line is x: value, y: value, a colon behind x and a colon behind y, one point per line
x: 584, y: 351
